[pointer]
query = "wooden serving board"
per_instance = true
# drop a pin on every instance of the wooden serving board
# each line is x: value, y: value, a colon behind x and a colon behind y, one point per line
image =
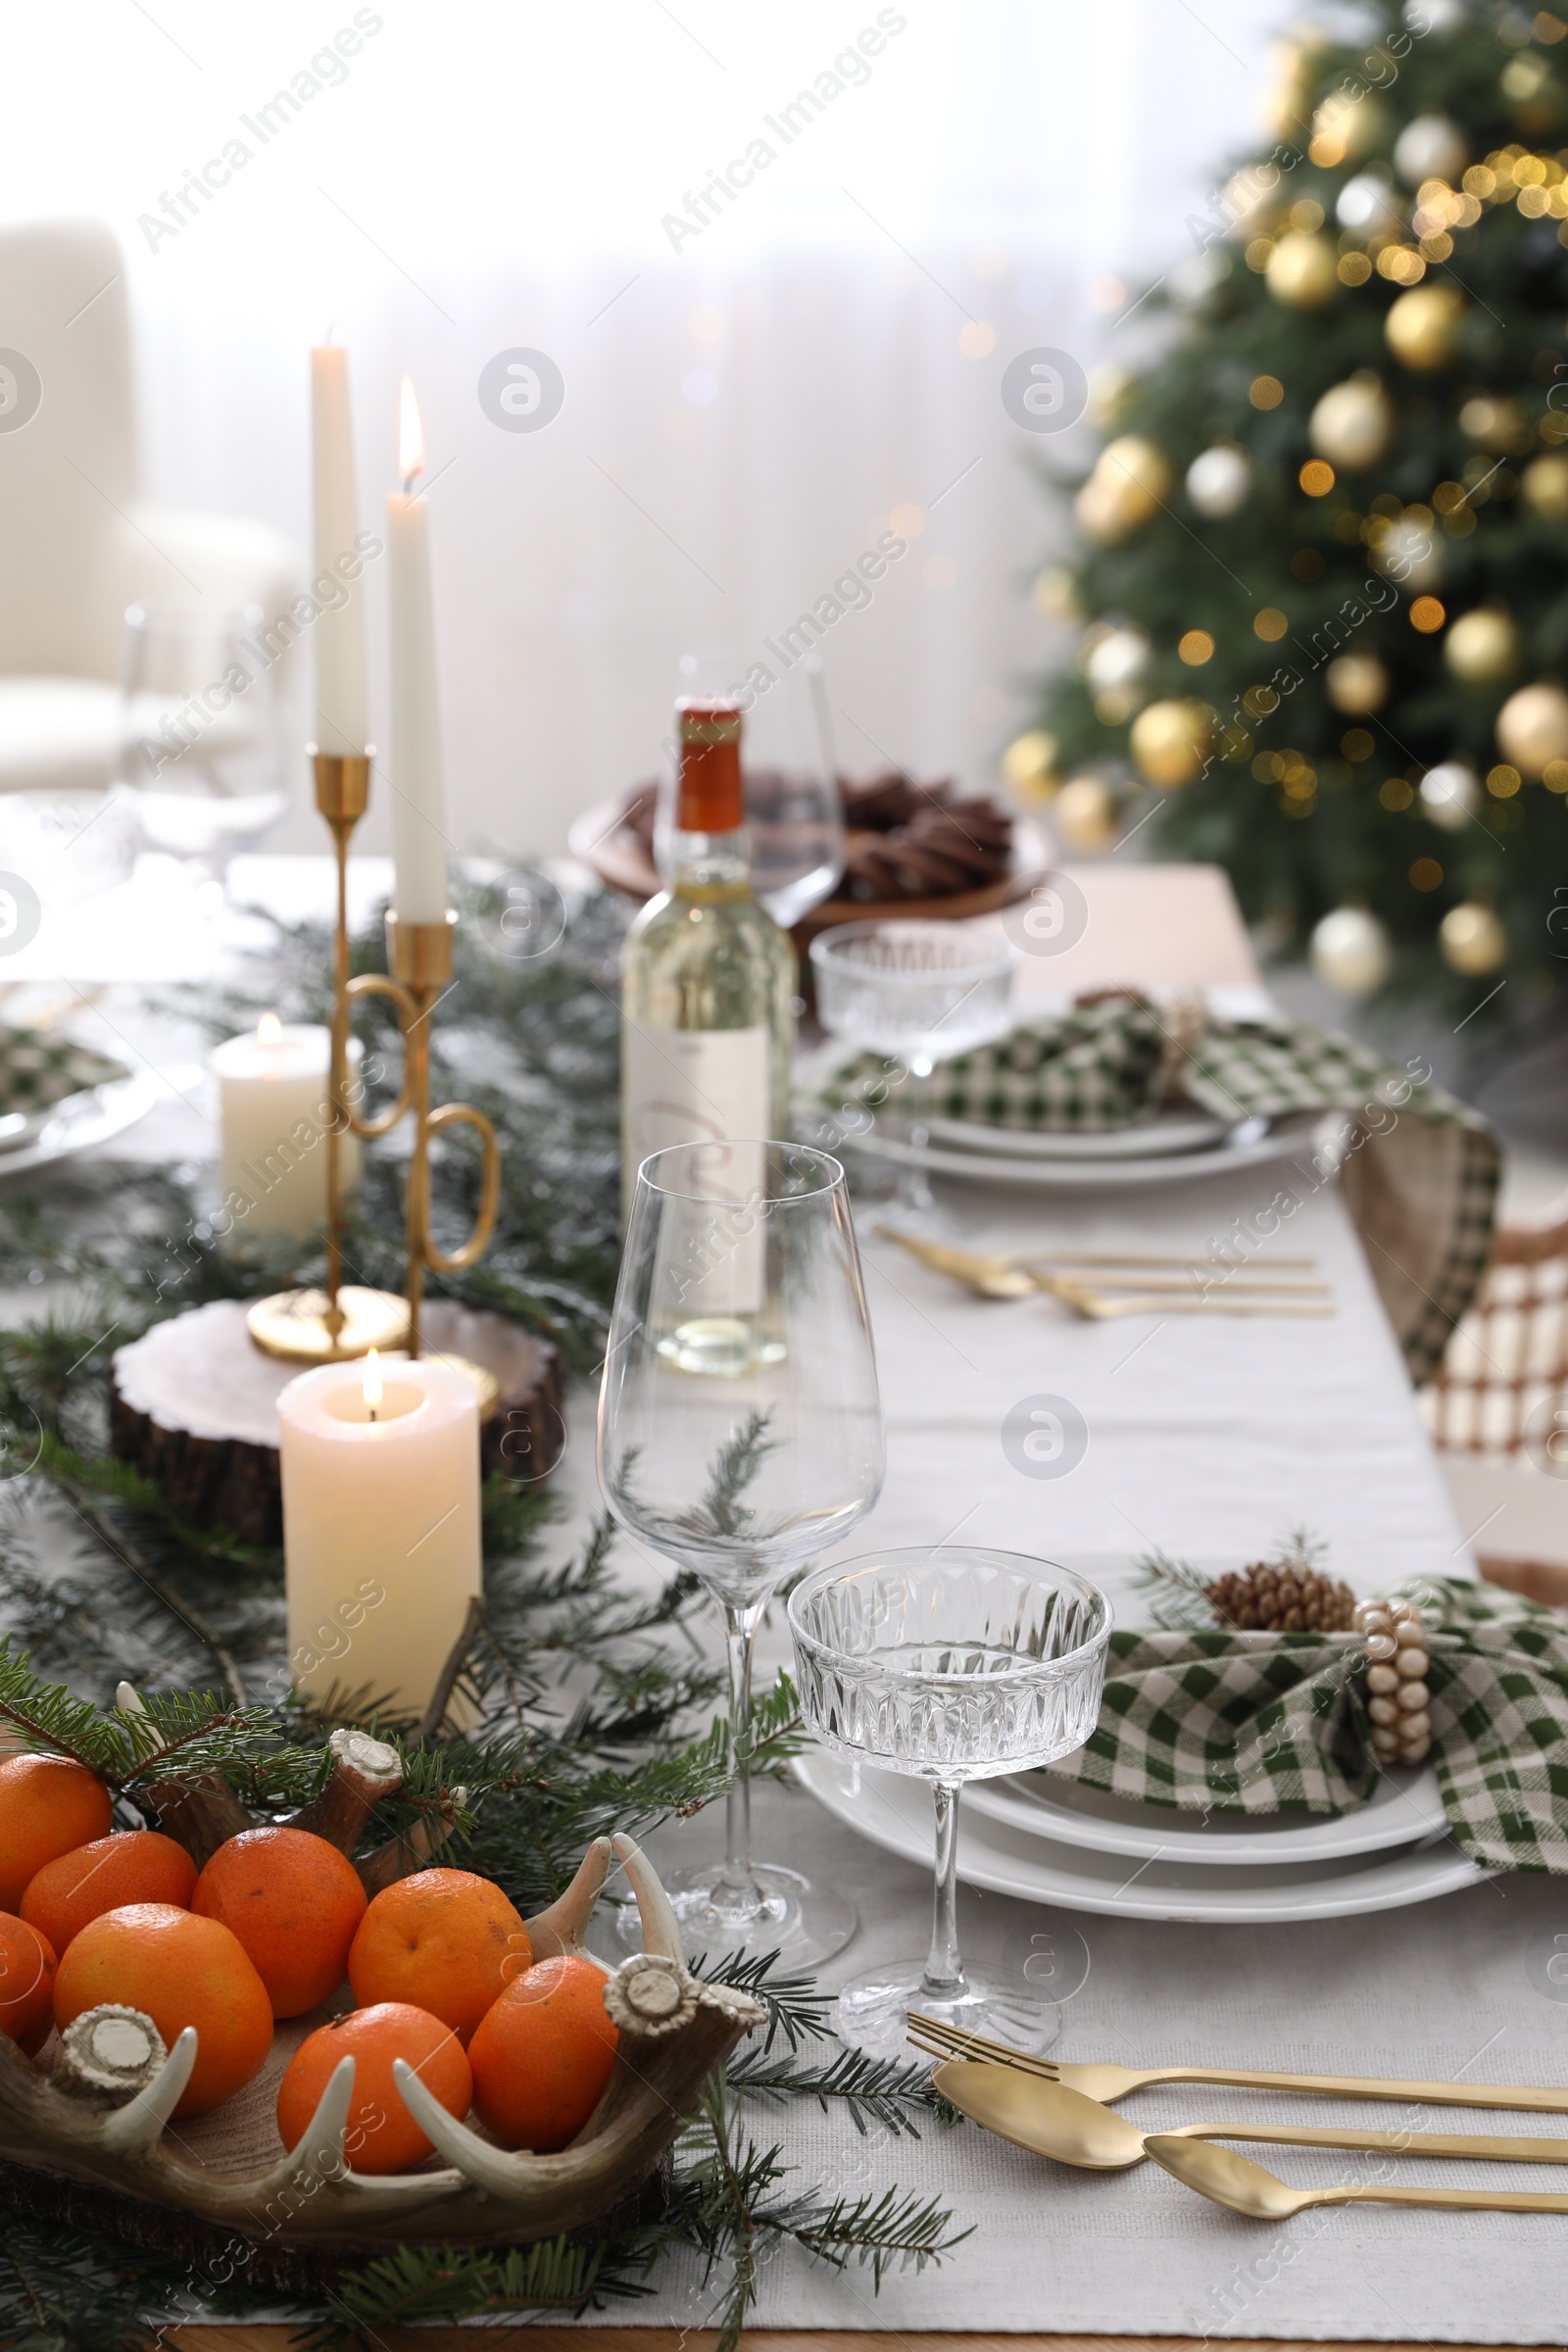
x: 194, y: 1406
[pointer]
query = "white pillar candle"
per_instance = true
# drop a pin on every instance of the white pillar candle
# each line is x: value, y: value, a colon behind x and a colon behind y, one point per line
x: 418, y: 799
x: 380, y: 1524
x: 341, y: 723
x: 275, y: 1105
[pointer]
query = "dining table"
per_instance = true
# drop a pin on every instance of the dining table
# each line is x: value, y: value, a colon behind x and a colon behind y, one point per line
x: 1206, y: 1438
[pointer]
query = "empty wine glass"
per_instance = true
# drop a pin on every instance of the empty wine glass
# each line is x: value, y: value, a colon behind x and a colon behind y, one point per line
x: 740, y: 1433
x: 201, y: 744
x: 953, y: 1665
x: 921, y: 992
x: 794, y: 809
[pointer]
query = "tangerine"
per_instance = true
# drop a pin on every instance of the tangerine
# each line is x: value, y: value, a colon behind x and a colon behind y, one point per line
x: 445, y: 1940
x: 383, y: 2136
x: 48, y: 1804
x: 179, y: 1970
x: 137, y: 1866
x: 294, y: 1901
x: 542, y: 2057
x: 26, y: 1983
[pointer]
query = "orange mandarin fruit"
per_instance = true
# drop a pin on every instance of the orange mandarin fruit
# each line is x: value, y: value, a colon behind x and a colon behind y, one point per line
x: 138, y: 1866
x: 48, y: 1804
x: 446, y: 1941
x: 26, y: 1983
x: 294, y: 1901
x: 542, y: 2057
x: 383, y: 2136
x: 179, y: 1970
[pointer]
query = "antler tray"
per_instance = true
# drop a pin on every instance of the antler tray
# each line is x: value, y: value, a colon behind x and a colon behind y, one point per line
x: 94, y: 2112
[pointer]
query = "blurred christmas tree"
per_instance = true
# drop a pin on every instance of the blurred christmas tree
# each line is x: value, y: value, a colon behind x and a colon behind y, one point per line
x: 1325, y: 576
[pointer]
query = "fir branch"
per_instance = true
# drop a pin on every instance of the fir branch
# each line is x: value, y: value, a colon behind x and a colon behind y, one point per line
x: 419, y: 2284
x: 879, y: 2091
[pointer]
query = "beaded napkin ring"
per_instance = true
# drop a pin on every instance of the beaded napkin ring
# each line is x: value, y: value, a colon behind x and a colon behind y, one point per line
x: 1395, y: 1679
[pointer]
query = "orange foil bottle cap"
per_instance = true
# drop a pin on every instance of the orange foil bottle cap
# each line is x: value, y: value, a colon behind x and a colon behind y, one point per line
x: 710, y: 798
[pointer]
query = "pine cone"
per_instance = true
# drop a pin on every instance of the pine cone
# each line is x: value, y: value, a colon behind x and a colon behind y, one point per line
x: 1275, y: 1596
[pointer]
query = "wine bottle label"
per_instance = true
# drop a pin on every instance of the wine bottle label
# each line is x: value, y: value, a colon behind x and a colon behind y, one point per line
x: 711, y: 1087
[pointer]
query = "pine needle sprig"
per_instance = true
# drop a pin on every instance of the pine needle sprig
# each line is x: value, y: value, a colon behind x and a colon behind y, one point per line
x: 888, y: 2091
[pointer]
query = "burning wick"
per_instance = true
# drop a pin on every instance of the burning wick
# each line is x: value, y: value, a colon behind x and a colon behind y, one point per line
x: 269, y: 1030
x: 410, y: 438
x: 373, y: 1384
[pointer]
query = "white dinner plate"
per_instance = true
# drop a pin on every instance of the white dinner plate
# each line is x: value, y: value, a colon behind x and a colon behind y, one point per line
x: 894, y: 1811
x: 1171, y: 1132
x: 1406, y: 1807
x: 1244, y: 1149
x: 78, y: 1122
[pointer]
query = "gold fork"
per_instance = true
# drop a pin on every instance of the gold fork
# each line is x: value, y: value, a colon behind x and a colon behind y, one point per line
x: 1111, y: 2082
x: 993, y: 1274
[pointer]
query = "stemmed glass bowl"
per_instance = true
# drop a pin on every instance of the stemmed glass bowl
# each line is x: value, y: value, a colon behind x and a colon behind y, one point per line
x: 740, y: 1434
x: 953, y: 1664
x: 921, y: 992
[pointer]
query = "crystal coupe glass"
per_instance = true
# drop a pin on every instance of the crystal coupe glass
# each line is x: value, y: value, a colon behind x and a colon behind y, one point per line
x: 953, y: 1664
x: 740, y: 1433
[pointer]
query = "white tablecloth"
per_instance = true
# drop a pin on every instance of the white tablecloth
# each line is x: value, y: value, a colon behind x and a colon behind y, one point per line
x: 1207, y: 1438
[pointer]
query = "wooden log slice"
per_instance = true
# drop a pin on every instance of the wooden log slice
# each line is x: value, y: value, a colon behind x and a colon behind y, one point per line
x: 193, y: 1406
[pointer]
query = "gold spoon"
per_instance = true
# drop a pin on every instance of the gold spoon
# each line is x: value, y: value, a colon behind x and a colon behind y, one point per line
x: 1246, y: 2187
x: 1064, y: 2124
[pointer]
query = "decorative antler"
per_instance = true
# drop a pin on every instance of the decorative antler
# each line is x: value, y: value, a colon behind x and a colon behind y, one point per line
x: 674, y: 2031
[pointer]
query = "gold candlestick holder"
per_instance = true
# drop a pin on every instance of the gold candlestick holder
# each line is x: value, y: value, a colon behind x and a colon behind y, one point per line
x: 346, y: 1319
x: 419, y: 957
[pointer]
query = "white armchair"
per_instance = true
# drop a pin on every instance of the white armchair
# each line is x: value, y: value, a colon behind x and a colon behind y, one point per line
x: 80, y: 545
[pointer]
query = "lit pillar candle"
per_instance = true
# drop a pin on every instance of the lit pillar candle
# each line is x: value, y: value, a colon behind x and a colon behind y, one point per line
x: 418, y: 799
x: 341, y: 723
x: 380, y: 1524
x: 275, y: 1106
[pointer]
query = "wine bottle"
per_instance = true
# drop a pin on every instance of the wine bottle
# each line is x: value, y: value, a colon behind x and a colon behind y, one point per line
x: 707, y: 980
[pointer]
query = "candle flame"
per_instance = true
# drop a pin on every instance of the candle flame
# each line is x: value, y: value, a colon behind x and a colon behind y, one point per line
x: 410, y: 435
x: 269, y: 1030
x: 373, y: 1384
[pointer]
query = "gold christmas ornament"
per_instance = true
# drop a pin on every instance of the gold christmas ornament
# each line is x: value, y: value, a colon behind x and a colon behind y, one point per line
x: 1109, y: 387
x: 1423, y: 326
x: 1351, y: 952
x: 1085, y: 814
x: 1356, y: 683
x: 1431, y: 147
x: 1472, y: 939
x: 1353, y: 424
x: 1346, y: 128
x: 1219, y: 480
x: 1116, y: 657
x: 1029, y: 764
x: 1495, y: 422
x: 1290, y: 70
x: 1544, y: 486
x: 1451, y: 795
x: 1533, y: 727
x: 1304, y: 271
x: 1131, y: 480
x: 1482, y: 647
x: 1170, y: 741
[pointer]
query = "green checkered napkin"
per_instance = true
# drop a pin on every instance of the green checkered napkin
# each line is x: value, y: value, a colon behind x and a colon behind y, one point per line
x: 1419, y: 1178
x: 1276, y: 1723
x: 38, y: 1069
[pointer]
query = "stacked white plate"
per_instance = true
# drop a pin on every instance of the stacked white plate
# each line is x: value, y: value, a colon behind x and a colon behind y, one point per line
x: 1049, y: 1840
x: 1172, y: 1147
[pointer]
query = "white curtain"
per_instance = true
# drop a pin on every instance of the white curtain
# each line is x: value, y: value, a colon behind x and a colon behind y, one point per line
x: 747, y: 406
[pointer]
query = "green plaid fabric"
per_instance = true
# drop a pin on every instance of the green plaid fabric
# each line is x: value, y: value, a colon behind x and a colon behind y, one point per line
x: 38, y: 1069
x: 1419, y: 1175
x: 1277, y: 1723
